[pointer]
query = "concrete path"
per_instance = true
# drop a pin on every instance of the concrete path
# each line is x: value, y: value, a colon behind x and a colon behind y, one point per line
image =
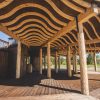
x: 68, y: 96
x: 95, y: 93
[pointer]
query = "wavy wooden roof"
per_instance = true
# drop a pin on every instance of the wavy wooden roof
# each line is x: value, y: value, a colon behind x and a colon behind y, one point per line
x: 37, y: 22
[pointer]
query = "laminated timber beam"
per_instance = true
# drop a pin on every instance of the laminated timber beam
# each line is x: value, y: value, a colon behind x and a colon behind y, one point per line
x: 83, y: 17
x: 87, y: 49
x: 86, y: 42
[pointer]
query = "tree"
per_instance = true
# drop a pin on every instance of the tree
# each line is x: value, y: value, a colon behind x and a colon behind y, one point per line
x: 52, y: 61
x: 89, y: 59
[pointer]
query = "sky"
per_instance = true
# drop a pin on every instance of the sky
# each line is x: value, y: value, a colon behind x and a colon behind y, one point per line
x: 3, y: 36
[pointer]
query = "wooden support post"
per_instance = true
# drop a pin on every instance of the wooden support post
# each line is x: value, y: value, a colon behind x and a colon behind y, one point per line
x: 48, y: 61
x: 83, y: 64
x: 18, y: 64
x: 66, y: 62
x: 44, y: 61
x: 59, y: 63
x: 75, y: 62
x: 40, y: 60
x: 56, y: 60
x: 95, y: 62
x: 69, y: 62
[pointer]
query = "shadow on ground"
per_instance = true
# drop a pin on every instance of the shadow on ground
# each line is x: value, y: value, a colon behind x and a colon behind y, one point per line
x: 35, y: 79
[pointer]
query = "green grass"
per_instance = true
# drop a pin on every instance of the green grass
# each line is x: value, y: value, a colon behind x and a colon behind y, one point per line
x: 89, y: 66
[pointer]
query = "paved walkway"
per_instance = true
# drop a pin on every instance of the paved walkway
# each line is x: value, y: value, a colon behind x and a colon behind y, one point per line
x: 95, y: 93
x: 38, y: 85
x: 68, y: 96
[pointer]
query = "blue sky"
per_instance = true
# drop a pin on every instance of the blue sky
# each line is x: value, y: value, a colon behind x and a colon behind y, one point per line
x: 3, y: 36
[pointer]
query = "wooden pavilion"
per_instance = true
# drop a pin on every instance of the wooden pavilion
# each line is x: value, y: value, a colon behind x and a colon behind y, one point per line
x: 46, y: 27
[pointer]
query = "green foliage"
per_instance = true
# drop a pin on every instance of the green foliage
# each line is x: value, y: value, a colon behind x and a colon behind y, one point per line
x: 78, y: 61
x: 89, y: 59
x: 61, y: 60
x: 52, y: 61
x: 98, y: 56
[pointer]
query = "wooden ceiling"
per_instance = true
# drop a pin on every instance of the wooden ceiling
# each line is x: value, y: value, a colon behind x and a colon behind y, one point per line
x: 37, y: 22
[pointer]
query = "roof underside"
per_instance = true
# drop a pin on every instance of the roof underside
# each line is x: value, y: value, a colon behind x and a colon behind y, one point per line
x: 34, y: 22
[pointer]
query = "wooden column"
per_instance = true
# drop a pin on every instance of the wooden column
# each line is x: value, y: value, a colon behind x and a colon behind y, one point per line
x: 18, y: 64
x: 83, y: 64
x: 75, y: 62
x: 59, y: 63
x: 56, y: 60
x: 66, y: 62
x: 69, y: 62
x: 48, y: 61
x: 95, y: 62
x: 44, y: 61
x: 40, y: 60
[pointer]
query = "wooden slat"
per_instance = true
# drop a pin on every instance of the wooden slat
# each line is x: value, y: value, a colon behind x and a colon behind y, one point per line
x: 71, y: 25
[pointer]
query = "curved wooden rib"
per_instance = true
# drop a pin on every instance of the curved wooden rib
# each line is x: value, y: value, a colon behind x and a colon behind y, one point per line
x: 94, y: 29
x: 65, y: 40
x: 32, y: 20
x: 36, y: 38
x: 69, y: 38
x: 62, y: 43
x: 31, y: 13
x: 35, y: 42
x: 83, y: 3
x: 29, y: 28
x: 58, y: 10
x: 53, y: 45
x: 32, y: 38
x: 87, y: 33
x: 76, y: 48
x: 32, y: 5
x: 71, y: 25
x: 56, y: 43
x: 30, y: 34
x: 20, y: 35
x: 72, y: 6
x: 34, y: 25
x: 98, y: 18
x: 74, y: 36
x: 5, y: 3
